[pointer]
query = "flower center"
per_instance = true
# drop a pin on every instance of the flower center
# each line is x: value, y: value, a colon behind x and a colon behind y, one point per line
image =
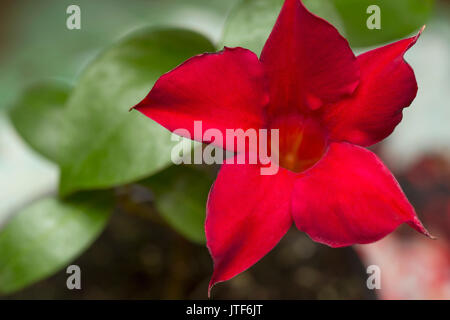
x: 303, y: 142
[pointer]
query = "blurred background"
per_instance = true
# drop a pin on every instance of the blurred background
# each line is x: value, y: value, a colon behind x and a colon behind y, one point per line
x: 68, y: 194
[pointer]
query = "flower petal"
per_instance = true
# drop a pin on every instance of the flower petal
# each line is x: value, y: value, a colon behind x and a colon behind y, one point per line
x: 387, y: 86
x: 247, y: 215
x: 350, y: 197
x: 308, y: 63
x: 224, y: 90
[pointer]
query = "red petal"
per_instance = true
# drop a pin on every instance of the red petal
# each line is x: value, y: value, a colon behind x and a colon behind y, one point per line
x: 387, y: 86
x: 350, y: 197
x: 224, y: 90
x: 247, y: 215
x: 307, y: 61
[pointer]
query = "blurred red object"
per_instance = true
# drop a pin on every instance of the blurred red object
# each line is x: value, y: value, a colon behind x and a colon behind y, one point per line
x: 412, y: 266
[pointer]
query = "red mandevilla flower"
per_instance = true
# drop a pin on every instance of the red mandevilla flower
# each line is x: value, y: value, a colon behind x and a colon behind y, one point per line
x: 328, y: 105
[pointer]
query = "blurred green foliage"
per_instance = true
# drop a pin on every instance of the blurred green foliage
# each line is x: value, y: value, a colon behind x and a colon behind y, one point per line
x: 399, y: 18
x: 38, y: 45
x: 39, y: 118
x: 45, y: 236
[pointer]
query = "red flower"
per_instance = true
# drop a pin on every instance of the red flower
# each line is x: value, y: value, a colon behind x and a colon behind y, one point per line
x: 328, y: 105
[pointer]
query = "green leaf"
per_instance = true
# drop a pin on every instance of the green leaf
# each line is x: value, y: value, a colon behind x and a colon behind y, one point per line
x: 47, y: 235
x: 38, y: 116
x: 399, y: 18
x: 96, y: 141
x: 107, y: 144
x: 181, y: 193
x: 250, y: 23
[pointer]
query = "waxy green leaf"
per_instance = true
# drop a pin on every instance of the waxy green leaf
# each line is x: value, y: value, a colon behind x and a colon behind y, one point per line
x: 107, y: 144
x: 180, y: 194
x: 398, y: 19
x: 47, y: 235
x: 94, y: 138
x: 39, y: 117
